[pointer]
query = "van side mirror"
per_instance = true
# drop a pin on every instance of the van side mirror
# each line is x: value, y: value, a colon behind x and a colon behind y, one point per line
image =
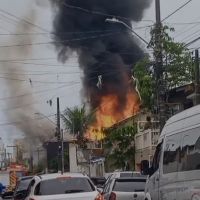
x: 145, y: 169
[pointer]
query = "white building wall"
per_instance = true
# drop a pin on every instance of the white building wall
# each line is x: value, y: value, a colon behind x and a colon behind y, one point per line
x: 73, y: 158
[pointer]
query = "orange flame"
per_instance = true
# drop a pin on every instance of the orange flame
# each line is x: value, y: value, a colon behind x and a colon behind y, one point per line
x: 109, y: 113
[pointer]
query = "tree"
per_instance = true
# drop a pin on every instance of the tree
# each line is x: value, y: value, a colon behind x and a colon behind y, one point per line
x: 120, y: 147
x: 146, y: 82
x: 177, y: 63
x: 77, y: 120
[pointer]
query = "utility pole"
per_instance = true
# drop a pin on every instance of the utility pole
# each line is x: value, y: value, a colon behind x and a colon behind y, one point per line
x: 160, y: 93
x: 62, y: 151
x: 58, y: 132
x: 197, y: 80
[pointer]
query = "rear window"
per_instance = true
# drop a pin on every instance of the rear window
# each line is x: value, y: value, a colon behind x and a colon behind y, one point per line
x: 129, y: 185
x: 129, y: 174
x: 63, y: 186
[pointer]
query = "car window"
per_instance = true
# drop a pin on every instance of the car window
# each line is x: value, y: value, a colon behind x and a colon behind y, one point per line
x: 156, y: 158
x: 129, y: 174
x: 190, y: 151
x: 171, y: 153
x: 23, y: 185
x: 63, y: 186
x: 129, y: 185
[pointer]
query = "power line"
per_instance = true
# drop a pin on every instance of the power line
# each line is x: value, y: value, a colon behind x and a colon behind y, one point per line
x: 25, y: 120
x: 37, y: 92
x: 24, y: 20
x: 181, y: 7
x: 97, y: 12
x: 186, y: 28
x: 67, y: 33
x: 33, y: 81
x: 60, y: 42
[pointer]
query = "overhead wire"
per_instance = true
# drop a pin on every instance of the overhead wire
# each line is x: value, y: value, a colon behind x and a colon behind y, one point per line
x: 94, y: 12
x: 178, y: 9
x: 23, y: 20
x: 59, y: 42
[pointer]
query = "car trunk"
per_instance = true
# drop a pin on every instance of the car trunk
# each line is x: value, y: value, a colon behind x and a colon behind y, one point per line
x: 79, y: 196
x: 129, y: 195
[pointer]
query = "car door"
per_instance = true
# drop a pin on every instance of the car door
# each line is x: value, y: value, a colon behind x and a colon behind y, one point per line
x: 153, y: 181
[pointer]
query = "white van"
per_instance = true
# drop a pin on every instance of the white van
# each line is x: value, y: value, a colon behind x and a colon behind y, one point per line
x: 175, y: 170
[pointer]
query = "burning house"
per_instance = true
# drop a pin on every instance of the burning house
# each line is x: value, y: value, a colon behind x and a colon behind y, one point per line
x: 106, y: 54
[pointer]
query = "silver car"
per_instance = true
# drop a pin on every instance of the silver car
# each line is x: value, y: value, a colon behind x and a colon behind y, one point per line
x: 130, y: 188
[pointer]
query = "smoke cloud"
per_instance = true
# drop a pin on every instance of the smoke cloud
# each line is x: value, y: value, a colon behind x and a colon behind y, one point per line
x: 106, y: 51
x: 35, y: 131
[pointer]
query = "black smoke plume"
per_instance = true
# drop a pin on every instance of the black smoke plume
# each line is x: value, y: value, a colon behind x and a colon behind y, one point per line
x: 104, y: 49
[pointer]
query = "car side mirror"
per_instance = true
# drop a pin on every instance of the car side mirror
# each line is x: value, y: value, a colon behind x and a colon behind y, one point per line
x: 145, y: 169
x: 21, y: 195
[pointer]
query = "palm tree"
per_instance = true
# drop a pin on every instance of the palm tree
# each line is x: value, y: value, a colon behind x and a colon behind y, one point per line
x: 77, y: 120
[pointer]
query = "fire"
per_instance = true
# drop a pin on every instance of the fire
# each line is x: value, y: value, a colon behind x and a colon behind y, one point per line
x: 109, y: 113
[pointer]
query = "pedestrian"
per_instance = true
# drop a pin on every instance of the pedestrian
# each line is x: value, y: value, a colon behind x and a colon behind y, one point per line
x: 1, y: 188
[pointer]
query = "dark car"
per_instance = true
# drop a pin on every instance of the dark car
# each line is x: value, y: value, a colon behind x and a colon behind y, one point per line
x: 22, y: 187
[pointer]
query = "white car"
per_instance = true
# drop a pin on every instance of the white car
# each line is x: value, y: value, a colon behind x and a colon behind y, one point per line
x: 130, y: 188
x: 122, y: 174
x: 69, y: 186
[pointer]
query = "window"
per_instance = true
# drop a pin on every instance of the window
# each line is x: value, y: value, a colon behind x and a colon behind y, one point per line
x: 190, y: 151
x: 156, y: 158
x: 63, y: 186
x: 171, y: 154
x: 129, y: 185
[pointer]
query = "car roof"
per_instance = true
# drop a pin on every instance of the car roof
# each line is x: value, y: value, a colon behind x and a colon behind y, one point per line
x: 25, y: 178
x: 59, y: 175
x: 142, y: 177
x: 185, y: 119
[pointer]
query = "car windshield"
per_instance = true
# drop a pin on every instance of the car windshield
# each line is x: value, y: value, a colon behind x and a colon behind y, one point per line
x: 63, y: 186
x: 23, y: 184
x: 127, y: 185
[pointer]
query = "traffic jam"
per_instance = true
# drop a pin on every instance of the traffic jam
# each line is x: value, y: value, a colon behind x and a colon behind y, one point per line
x: 122, y: 185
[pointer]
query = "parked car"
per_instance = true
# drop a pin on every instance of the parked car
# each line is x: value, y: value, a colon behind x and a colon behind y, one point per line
x: 72, y: 186
x: 129, y: 188
x: 21, y: 189
x: 175, y: 171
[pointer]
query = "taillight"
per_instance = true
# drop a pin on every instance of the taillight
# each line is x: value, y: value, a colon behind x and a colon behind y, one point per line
x: 99, y: 197
x: 112, y: 196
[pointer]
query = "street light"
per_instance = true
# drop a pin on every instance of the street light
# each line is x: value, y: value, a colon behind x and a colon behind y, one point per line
x: 115, y: 20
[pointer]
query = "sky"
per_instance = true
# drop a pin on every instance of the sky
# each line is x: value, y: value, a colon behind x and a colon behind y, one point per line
x: 38, y: 63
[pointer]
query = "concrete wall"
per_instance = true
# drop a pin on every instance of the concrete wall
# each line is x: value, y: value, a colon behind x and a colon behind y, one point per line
x: 72, y: 158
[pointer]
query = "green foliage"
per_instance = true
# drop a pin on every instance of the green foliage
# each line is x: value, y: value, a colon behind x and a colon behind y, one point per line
x: 146, y: 82
x: 119, y: 144
x: 77, y: 120
x: 177, y: 65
